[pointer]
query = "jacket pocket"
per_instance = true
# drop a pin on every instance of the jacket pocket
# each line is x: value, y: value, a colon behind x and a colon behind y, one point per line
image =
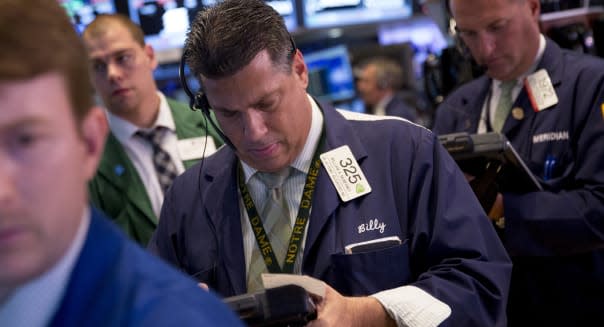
x: 367, y: 273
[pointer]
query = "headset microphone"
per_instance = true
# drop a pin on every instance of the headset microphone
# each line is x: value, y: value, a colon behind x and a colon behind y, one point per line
x: 199, y: 101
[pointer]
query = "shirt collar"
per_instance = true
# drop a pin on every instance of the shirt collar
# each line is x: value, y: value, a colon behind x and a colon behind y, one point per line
x: 124, y: 130
x: 304, y: 159
x: 380, y: 107
x: 35, y: 303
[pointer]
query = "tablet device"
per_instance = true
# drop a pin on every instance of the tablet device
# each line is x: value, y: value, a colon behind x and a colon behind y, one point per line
x: 288, y: 305
x: 474, y: 153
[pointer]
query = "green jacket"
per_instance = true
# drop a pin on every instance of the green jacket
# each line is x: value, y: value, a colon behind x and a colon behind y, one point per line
x: 118, y: 190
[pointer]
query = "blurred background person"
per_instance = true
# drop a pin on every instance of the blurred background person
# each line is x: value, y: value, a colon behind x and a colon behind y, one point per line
x: 153, y: 138
x: 380, y: 82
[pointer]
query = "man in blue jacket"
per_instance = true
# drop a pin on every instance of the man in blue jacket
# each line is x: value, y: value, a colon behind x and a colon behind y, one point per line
x: 61, y: 262
x: 374, y: 207
x: 554, y: 119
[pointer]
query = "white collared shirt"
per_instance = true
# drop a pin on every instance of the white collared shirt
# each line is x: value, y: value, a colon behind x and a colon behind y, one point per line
x: 380, y: 107
x: 35, y: 303
x: 140, y: 151
x: 490, y: 103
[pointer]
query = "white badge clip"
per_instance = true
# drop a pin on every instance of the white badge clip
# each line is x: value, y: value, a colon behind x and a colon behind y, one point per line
x: 540, y: 90
x: 345, y: 173
x: 193, y: 148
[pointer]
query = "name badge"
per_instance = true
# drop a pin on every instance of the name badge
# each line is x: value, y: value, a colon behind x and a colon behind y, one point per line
x: 345, y: 173
x: 540, y: 90
x: 193, y: 148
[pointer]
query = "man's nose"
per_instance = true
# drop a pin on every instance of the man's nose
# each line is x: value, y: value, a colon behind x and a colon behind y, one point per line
x: 114, y: 71
x: 254, y: 124
x: 7, y: 180
x: 486, y: 44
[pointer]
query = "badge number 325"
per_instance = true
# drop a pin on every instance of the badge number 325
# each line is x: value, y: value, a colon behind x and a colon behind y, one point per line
x: 345, y: 173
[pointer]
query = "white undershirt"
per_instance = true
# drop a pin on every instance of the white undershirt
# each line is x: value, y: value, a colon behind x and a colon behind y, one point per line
x: 140, y: 151
x: 35, y: 303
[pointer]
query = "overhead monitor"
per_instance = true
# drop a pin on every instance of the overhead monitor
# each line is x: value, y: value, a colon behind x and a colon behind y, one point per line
x: 330, y: 74
x: 166, y: 22
x: 331, y: 13
x: 421, y: 32
x: 83, y: 12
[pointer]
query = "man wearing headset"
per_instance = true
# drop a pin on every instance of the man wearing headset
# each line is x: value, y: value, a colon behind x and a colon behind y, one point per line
x: 153, y: 138
x: 380, y: 84
x: 372, y: 206
x: 62, y: 263
x: 554, y: 117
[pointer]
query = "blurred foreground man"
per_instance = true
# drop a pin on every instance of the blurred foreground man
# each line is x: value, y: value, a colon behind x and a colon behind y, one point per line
x: 61, y: 262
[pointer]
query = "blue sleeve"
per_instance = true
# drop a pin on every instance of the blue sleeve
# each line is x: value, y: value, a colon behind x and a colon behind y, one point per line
x: 465, y: 265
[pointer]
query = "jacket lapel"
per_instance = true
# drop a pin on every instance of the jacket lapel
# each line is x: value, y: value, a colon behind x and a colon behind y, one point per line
x: 552, y: 64
x: 326, y: 199
x: 116, y: 169
x: 471, y: 107
x: 226, y: 218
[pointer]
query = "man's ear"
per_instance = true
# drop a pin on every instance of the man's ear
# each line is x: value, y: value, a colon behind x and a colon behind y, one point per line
x: 93, y: 129
x: 300, y: 69
x: 150, y: 52
x: 535, y: 7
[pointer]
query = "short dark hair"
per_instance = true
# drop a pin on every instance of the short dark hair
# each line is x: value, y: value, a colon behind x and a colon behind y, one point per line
x: 226, y: 37
x: 36, y: 38
x: 100, y: 24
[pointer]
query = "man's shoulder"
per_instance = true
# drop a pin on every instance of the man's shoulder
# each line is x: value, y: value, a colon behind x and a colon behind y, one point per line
x: 145, y: 286
x: 177, y: 104
x: 210, y: 166
x: 471, y: 88
x: 576, y: 63
x: 374, y: 130
x: 373, y: 120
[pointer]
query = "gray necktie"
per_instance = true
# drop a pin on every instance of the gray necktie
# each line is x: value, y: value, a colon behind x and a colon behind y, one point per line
x: 164, y: 166
x: 276, y: 221
x: 504, y: 105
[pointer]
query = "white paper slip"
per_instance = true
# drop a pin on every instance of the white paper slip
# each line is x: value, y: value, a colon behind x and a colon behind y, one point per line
x: 310, y: 284
x: 196, y: 147
x: 540, y: 90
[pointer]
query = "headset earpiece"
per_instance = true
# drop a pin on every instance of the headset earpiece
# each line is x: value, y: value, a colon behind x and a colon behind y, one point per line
x: 199, y: 101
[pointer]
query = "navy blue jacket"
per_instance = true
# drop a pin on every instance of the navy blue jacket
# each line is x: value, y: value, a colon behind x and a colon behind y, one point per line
x: 449, y: 248
x: 117, y: 283
x: 555, y: 237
